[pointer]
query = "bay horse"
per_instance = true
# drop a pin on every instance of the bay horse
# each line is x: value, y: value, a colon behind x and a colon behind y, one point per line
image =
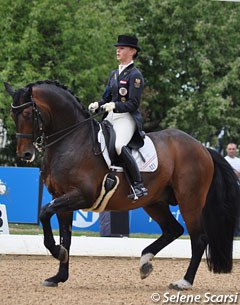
x: 48, y: 116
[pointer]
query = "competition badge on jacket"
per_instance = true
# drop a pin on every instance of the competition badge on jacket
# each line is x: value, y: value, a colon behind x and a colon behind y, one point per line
x: 137, y: 83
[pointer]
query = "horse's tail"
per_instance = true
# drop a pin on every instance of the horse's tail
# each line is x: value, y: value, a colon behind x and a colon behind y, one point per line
x: 220, y: 215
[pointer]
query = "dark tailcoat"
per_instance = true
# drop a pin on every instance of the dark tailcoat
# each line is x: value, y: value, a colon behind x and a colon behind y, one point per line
x: 125, y: 91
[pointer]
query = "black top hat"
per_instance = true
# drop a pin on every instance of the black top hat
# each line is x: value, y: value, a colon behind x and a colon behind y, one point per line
x: 128, y: 41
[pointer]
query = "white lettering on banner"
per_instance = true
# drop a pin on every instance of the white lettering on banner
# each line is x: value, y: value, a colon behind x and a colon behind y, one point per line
x: 4, y: 229
x: 175, y: 214
x: 2, y: 188
x: 84, y: 219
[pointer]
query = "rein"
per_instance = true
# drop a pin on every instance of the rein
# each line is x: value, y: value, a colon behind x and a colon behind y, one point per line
x: 41, y: 138
x: 68, y: 131
x: 71, y: 129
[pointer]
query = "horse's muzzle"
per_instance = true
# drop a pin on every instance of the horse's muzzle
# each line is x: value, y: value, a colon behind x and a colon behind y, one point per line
x: 27, y: 156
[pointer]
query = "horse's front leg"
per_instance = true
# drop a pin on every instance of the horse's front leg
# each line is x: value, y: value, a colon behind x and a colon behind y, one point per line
x: 49, y: 241
x: 65, y: 230
x: 66, y: 203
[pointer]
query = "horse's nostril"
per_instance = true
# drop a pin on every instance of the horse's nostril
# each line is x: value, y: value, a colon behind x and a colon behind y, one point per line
x: 27, y: 155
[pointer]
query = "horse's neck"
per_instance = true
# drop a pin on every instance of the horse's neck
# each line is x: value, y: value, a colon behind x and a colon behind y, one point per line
x: 78, y: 151
x: 81, y: 137
x: 57, y: 119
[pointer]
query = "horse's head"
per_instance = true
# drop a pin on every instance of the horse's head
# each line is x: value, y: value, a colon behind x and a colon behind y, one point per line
x: 22, y: 112
x: 45, y: 113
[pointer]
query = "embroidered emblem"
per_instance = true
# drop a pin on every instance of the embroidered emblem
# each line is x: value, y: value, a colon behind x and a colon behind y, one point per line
x: 137, y: 83
x: 123, y: 91
x: 123, y: 99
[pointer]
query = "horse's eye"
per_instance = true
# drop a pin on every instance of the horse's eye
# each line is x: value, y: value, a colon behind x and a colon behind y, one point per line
x: 27, y: 114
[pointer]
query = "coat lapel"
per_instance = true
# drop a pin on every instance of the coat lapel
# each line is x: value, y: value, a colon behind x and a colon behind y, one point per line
x: 126, y: 71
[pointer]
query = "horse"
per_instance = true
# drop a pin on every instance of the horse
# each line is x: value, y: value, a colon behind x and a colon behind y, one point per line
x: 50, y: 117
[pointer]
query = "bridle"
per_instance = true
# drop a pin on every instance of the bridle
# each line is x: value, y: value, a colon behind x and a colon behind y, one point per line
x: 37, y: 121
x: 39, y: 139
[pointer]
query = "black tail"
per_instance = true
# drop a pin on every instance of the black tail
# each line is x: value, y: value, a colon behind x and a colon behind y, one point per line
x: 220, y: 215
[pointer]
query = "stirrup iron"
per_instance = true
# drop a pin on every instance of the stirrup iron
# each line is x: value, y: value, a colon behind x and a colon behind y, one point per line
x: 140, y: 189
x: 133, y: 196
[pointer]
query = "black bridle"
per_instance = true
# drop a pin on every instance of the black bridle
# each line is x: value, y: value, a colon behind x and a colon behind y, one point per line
x: 36, y: 120
x: 39, y: 139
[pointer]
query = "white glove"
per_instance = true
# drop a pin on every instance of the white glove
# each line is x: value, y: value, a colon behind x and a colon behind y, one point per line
x: 109, y: 106
x: 93, y: 106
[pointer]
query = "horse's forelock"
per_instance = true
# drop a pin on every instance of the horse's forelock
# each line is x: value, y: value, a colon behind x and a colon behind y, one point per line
x: 21, y: 96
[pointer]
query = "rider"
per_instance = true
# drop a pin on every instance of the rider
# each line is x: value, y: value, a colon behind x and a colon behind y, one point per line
x: 121, y: 100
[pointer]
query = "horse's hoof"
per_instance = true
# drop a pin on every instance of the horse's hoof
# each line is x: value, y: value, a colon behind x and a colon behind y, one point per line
x: 175, y: 287
x: 180, y: 285
x: 145, y: 270
x: 47, y: 283
x: 145, y: 266
x: 63, y: 255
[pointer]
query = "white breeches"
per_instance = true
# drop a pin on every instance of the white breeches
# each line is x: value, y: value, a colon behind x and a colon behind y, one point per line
x: 124, y: 127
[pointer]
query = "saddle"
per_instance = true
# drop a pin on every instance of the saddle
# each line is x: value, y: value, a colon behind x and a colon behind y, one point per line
x: 110, y: 138
x: 145, y: 156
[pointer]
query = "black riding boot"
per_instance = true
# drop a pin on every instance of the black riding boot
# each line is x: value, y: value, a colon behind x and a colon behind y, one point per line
x: 133, y: 171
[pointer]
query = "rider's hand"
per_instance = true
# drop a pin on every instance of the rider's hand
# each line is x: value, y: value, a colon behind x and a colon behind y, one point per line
x: 109, y: 106
x: 93, y: 106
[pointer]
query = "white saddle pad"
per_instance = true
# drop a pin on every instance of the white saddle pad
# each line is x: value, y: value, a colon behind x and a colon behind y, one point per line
x: 148, y: 151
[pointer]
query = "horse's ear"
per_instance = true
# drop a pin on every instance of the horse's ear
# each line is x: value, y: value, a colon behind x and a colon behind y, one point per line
x: 28, y: 93
x: 9, y: 89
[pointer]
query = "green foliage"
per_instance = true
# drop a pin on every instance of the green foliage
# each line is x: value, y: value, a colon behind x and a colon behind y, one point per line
x: 190, y: 56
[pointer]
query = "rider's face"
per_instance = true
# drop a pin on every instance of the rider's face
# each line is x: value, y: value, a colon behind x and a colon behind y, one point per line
x: 124, y: 54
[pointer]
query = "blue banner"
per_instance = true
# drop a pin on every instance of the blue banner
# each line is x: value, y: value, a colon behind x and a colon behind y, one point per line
x: 22, y: 196
x: 139, y: 221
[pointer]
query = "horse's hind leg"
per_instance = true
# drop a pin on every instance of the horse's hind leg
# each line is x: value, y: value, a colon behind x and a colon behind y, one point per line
x: 65, y: 230
x: 171, y: 230
x: 198, y: 244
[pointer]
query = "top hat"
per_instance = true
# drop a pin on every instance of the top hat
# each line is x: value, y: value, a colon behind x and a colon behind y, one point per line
x: 127, y: 41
